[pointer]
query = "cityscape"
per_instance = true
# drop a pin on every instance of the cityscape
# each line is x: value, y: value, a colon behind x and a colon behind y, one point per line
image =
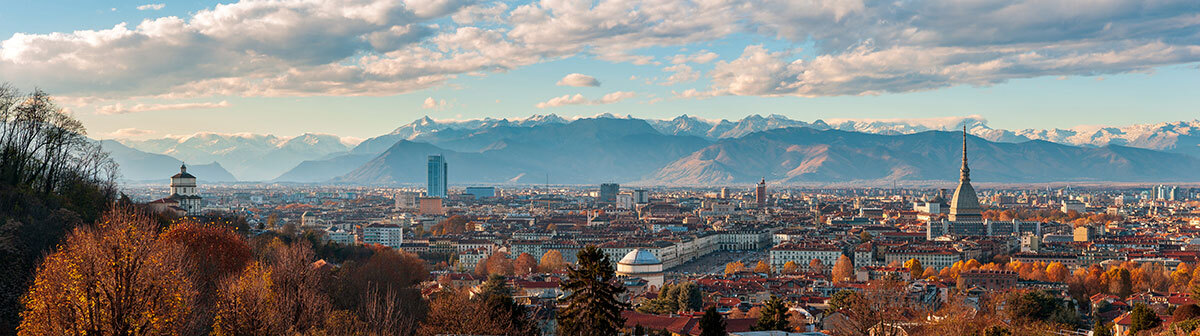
x: 595, y: 168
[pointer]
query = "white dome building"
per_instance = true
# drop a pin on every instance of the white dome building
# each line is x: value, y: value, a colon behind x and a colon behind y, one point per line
x: 640, y: 263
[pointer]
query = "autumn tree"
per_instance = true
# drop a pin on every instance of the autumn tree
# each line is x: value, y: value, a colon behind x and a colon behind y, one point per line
x: 382, y: 291
x: 212, y: 253
x: 734, y: 267
x: 497, y: 263
x: 592, y: 305
x: 1056, y: 272
x: 247, y: 305
x: 525, y: 264
x: 762, y: 268
x: 843, y: 270
x: 552, y: 261
x: 816, y: 265
x: 882, y: 301
x: 118, y: 278
x: 790, y: 267
x: 1120, y: 282
x: 491, y: 311
x: 914, y: 268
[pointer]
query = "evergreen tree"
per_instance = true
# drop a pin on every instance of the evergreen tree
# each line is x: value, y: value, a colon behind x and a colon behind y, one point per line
x: 712, y: 324
x: 774, y: 316
x: 592, y: 305
x: 690, y: 298
x: 1143, y: 319
x: 638, y: 330
x: 1101, y: 329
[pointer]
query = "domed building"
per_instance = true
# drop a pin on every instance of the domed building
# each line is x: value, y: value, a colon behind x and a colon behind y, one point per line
x: 640, y: 263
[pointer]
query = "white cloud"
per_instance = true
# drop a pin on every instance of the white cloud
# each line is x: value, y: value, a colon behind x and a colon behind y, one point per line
x: 434, y: 104
x: 701, y: 57
x: 681, y: 73
x: 153, y: 6
x: 578, y: 79
x: 387, y: 47
x: 578, y: 99
x: 131, y: 133
x: 122, y: 109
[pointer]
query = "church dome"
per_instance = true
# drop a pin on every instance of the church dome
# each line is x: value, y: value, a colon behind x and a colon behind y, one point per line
x: 639, y: 257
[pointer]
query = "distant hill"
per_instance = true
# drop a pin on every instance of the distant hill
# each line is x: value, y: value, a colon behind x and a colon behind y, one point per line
x: 140, y: 166
x: 805, y: 155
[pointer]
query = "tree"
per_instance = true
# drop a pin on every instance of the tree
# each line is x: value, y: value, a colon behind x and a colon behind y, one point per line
x: 213, y: 253
x: 592, y: 305
x: 865, y: 236
x: 712, y: 324
x: 1101, y: 329
x: 882, y: 301
x: 790, y: 267
x: 1038, y: 306
x: 499, y: 263
x: 816, y: 265
x: 843, y: 269
x: 118, y: 278
x: 1120, y: 282
x: 774, y: 316
x: 247, y: 305
x: 1185, y: 312
x: 638, y: 330
x: 762, y: 268
x: 1056, y: 272
x: 1143, y: 318
x: 734, y: 267
x: 525, y: 264
x: 842, y: 299
x: 914, y: 268
x: 690, y: 298
x: 552, y: 261
x: 452, y: 312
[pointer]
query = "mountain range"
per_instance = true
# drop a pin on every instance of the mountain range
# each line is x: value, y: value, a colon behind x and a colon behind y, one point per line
x: 690, y: 151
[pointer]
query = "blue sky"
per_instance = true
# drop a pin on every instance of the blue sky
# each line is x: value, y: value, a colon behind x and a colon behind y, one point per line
x: 360, y: 68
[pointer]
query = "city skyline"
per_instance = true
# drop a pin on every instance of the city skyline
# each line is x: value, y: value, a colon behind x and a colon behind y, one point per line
x: 139, y: 68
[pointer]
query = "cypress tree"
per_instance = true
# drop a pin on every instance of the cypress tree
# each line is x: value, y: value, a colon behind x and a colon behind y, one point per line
x: 1143, y: 319
x: 592, y: 305
x: 712, y: 324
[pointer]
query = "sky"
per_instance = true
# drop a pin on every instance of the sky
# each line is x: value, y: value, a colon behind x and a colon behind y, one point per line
x: 360, y: 68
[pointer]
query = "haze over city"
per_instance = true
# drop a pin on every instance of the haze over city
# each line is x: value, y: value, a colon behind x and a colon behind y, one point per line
x: 600, y: 167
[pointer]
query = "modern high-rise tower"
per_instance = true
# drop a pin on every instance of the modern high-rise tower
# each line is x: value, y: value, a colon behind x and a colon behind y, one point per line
x: 965, y: 204
x: 437, y: 177
x: 608, y: 192
x: 760, y: 193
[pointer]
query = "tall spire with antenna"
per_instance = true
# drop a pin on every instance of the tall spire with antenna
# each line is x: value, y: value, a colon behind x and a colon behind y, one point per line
x: 966, y: 171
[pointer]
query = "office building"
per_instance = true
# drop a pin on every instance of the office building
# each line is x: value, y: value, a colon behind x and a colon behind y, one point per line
x: 437, y: 177
x: 608, y: 193
x: 760, y: 193
x: 481, y: 192
x: 641, y: 196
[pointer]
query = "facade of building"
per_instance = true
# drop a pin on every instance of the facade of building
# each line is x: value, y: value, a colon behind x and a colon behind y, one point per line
x: 437, y: 186
x: 625, y: 201
x: 995, y: 280
x: 641, y: 196
x: 481, y: 192
x: 390, y: 235
x: 608, y: 193
x: 641, y: 264
x: 760, y: 193
x: 431, y: 206
x: 184, y: 194
x: 802, y: 254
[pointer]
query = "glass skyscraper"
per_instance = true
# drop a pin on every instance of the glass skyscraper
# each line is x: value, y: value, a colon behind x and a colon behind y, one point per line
x: 437, y: 177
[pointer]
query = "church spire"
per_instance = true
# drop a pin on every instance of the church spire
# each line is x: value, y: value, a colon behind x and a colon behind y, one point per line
x: 966, y: 171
